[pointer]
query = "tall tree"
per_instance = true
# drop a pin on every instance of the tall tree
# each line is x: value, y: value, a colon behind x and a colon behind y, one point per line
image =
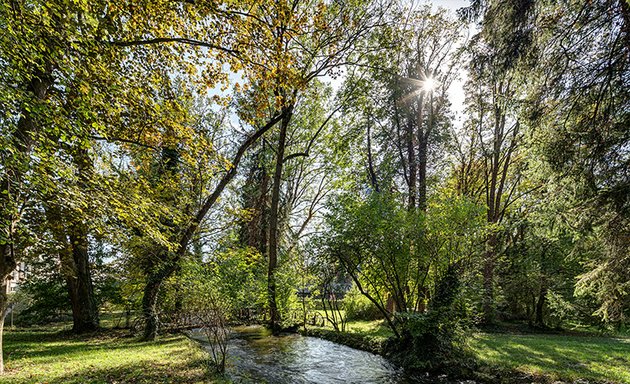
x: 411, y: 94
x: 577, y: 94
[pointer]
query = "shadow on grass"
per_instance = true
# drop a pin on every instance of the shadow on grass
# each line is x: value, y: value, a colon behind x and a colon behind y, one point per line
x: 185, y: 372
x: 54, y: 345
x: 564, y: 356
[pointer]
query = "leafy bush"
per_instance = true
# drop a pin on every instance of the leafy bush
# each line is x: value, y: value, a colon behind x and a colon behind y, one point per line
x: 44, y: 294
x: 359, y: 307
x: 433, y: 340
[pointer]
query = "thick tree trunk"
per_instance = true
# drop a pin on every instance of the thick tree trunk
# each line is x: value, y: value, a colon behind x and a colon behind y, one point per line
x: 84, y: 309
x: 72, y: 242
x: 149, y: 306
x: 273, y: 225
x: 3, y: 315
x: 169, y: 263
x: 4, y: 306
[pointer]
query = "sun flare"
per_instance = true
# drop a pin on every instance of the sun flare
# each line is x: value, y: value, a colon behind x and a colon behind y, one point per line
x: 428, y: 84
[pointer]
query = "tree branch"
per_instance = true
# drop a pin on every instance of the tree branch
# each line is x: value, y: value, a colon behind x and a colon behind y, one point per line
x: 181, y: 40
x: 210, y: 200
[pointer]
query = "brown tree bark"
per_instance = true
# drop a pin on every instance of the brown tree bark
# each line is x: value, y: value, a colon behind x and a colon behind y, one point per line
x: 84, y: 309
x: 273, y: 224
x: 156, y: 277
x: 4, y: 307
x: 72, y: 245
x: 149, y: 301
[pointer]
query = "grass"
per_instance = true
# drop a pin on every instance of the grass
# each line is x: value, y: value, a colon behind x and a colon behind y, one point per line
x: 572, y: 356
x: 110, y: 356
x: 557, y: 357
x: 376, y: 329
x: 52, y: 355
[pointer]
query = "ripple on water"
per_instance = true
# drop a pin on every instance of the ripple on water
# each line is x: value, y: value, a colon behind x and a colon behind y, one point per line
x: 254, y: 356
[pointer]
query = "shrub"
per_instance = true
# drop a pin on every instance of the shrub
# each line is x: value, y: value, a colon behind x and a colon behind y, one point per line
x: 359, y: 307
x: 434, y: 340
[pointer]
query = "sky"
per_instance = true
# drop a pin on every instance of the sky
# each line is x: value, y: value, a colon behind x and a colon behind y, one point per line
x: 456, y: 91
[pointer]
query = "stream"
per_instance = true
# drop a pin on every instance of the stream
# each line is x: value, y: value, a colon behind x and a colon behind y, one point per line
x: 254, y: 356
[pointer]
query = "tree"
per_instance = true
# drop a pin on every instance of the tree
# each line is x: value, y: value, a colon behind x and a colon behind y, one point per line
x: 371, y: 238
x: 44, y: 94
x: 496, y: 138
x: 577, y: 93
x: 405, y: 103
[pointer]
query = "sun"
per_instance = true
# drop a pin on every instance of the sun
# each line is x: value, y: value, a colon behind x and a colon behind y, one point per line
x: 428, y: 84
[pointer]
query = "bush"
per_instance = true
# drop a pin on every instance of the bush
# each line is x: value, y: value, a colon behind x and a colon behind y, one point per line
x: 359, y: 307
x: 435, y: 340
x: 44, y: 295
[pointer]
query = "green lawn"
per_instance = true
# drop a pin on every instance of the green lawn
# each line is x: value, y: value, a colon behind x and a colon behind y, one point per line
x: 567, y: 357
x: 377, y: 329
x: 50, y: 356
x: 53, y: 356
x: 557, y: 356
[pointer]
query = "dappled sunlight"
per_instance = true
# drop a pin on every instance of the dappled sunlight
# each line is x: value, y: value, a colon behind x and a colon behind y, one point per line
x: 59, y: 358
x: 559, y: 355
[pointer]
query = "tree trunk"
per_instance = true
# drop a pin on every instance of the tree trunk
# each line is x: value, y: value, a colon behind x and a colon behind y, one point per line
x: 4, y: 306
x: 72, y: 243
x: 149, y: 306
x: 76, y: 271
x: 411, y: 161
x: 488, y: 279
x: 169, y: 263
x: 273, y: 225
x: 542, y: 293
x: 540, y: 305
x: 422, y: 173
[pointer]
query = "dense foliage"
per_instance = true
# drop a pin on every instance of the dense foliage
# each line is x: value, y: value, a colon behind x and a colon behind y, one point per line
x: 310, y: 162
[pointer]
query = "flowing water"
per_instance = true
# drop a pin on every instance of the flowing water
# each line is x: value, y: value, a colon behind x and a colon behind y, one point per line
x: 254, y: 356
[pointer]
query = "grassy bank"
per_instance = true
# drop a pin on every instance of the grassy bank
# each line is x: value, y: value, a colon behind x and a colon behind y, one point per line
x: 503, y: 356
x: 110, y: 356
x: 365, y: 335
x: 556, y: 357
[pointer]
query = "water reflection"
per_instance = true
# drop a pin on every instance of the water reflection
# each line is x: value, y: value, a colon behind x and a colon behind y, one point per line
x: 254, y: 356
